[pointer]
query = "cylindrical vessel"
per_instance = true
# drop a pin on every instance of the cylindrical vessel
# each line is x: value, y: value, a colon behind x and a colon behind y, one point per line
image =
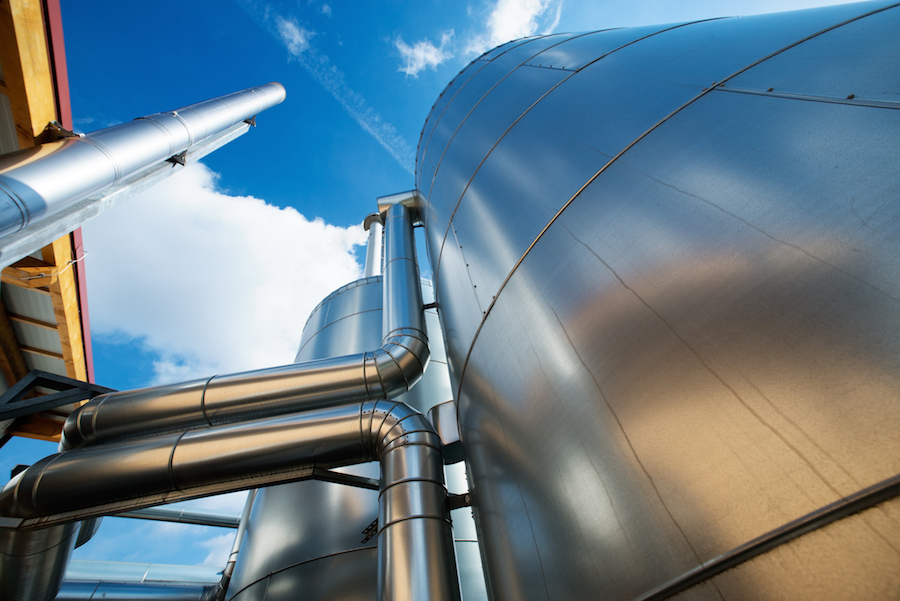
x: 308, y: 537
x: 667, y: 262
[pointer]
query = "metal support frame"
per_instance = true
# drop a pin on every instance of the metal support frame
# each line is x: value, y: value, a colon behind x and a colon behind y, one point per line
x: 14, y: 404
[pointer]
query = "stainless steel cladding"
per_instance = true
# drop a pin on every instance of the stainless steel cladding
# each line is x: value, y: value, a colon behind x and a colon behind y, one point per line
x: 384, y: 372
x: 53, y: 176
x: 323, y: 550
x: 32, y: 563
x: 667, y: 261
x: 374, y: 246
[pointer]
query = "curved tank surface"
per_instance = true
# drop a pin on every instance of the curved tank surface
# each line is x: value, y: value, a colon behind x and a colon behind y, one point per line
x: 667, y: 266
x: 307, y: 537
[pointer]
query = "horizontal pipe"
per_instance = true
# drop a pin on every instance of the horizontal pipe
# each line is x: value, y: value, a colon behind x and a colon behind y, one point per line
x: 38, y: 183
x: 416, y: 559
x: 385, y: 372
x: 131, y: 591
x: 185, y: 515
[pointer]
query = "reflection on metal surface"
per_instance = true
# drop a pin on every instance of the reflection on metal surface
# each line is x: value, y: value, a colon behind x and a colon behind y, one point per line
x: 32, y: 562
x: 296, y: 546
x: 185, y: 515
x: 671, y: 311
x: 35, y: 185
x: 387, y: 371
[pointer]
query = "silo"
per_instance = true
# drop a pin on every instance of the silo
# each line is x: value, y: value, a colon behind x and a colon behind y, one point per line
x: 667, y: 265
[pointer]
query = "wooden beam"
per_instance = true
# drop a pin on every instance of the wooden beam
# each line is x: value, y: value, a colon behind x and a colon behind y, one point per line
x: 30, y: 321
x: 64, y: 295
x: 38, y: 427
x: 41, y: 352
x: 34, y: 61
x: 12, y: 363
x: 29, y: 273
x: 14, y: 78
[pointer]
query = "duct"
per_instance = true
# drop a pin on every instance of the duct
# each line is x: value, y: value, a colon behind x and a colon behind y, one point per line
x: 36, y: 184
x: 132, y: 591
x: 222, y: 587
x: 185, y: 515
x: 32, y: 562
x: 387, y: 371
x: 374, y: 246
x: 415, y: 544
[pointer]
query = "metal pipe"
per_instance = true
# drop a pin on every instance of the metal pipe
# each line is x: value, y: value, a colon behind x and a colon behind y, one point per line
x: 185, y: 515
x: 222, y: 587
x: 33, y: 562
x: 36, y: 184
x: 416, y: 559
x: 374, y: 246
x: 387, y: 371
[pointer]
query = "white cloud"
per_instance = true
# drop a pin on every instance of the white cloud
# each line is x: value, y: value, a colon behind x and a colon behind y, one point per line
x: 423, y: 54
x: 326, y: 10
x: 514, y: 19
x: 297, y: 41
x: 293, y: 36
x: 210, y: 282
x: 219, y: 548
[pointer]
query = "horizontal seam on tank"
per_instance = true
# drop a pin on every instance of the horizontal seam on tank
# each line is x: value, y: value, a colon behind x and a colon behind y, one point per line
x: 323, y: 328
x: 437, y: 267
x: 862, y: 500
x: 703, y: 93
x: 882, y: 104
x: 300, y: 563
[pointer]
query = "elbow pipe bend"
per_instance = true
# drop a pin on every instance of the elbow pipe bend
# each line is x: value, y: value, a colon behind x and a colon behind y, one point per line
x: 415, y: 542
x: 385, y: 372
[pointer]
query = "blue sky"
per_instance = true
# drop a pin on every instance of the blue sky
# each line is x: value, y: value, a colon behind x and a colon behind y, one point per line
x: 217, y: 269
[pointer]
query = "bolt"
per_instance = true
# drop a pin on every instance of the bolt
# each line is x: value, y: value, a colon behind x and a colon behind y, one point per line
x: 851, y: 96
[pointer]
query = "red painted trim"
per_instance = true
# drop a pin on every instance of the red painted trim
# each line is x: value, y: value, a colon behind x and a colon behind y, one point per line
x: 81, y: 279
x: 57, y: 47
x: 57, y: 50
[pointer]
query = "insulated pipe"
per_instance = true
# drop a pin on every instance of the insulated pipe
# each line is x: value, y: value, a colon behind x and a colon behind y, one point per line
x: 415, y: 542
x: 382, y: 373
x: 374, y: 247
x: 185, y: 515
x: 58, y: 174
x: 222, y: 587
x: 33, y: 562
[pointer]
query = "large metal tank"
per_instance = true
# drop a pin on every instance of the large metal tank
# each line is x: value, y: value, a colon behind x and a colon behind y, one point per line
x: 305, y: 539
x: 667, y: 263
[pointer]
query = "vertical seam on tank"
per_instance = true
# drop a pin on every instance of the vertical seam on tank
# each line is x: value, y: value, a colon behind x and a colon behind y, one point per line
x: 486, y: 94
x: 437, y: 267
x: 522, y: 42
x: 626, y: 149
x: 463, y: 85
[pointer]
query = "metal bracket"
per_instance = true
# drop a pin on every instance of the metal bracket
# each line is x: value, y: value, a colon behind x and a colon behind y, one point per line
x: 71, y: 391
x: 458, y: 501
x: 55, y: 131
x: 251, y: 121
x: 178, y: 159
x: 370, y: 531
x: 345, y: 479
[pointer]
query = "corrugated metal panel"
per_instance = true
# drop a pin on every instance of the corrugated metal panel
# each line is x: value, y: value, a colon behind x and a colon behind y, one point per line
x: 37, y: 337
x: 27, y: 303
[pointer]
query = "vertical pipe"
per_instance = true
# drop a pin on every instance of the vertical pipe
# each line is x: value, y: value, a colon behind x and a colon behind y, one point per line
x: 236, y: 547
x: 372, y: 224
